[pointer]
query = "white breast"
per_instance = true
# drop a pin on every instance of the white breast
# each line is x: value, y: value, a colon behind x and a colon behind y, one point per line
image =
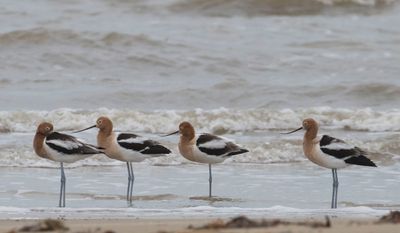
x: 60, y: 157
x: 320, y: 158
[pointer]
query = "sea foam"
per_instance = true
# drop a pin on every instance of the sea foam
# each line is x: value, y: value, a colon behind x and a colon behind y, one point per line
x: 189, y: 212
x: 256, y: 129
x: 220, y: 120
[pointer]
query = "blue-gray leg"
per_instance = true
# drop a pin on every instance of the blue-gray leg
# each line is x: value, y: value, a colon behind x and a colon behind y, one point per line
x: 132, y: 182
x: 335, y: 187
x: 129, y: 181
x: 61, y: 202
x: 209, y: 180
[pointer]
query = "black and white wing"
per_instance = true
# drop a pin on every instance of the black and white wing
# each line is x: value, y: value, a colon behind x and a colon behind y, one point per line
x: 140, y: 144
x: 67, y: 144
x: 218, y: 146
x: 341, y: 150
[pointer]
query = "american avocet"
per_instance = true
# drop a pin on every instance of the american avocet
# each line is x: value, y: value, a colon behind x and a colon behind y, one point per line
x: 205, y: 148
x: 62, y: 148
x: 330, y: 153
x: 126, y: 147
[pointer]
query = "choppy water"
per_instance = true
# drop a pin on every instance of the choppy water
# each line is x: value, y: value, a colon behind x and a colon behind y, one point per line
x: 184, y: 54
x: 245, y: 69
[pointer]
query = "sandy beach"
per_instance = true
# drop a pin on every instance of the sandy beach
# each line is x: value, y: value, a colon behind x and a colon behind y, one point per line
x: 204, y: 225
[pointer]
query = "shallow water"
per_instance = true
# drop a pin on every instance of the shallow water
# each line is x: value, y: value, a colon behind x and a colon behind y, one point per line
x: 301, y: 185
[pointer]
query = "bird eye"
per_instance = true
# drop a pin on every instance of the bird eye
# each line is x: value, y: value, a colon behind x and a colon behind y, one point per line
x: 47, y: 128
x: 99, y: 122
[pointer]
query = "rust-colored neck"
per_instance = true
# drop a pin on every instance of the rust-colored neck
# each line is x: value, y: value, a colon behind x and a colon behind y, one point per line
x: 38, y: 141
x: 186, y: 148
x: 187, y: 135
x: 187, y: 139
x: 106, y: 130
x: 311, y: 133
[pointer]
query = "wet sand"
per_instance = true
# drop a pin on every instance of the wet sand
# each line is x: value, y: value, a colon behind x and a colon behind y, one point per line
x: 155, y: 225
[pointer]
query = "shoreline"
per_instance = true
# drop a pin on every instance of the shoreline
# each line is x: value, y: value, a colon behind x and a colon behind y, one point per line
x: 202, y: 212
x: 204, y: 225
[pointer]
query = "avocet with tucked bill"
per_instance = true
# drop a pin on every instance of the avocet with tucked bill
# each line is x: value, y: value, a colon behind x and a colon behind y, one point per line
x: 61, y: 148
x: 205, y: 148
x: 126, y: 147
x: 330, y: 152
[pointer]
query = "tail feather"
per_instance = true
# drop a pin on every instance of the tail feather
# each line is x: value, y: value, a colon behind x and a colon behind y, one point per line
x: 360, y: 160
x: 241, y: 151
x: 156, y: 149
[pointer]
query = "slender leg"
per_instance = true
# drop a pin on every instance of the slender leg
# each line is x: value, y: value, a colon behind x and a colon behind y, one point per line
x: 333, y: 190
x: 335, y: 186
x: 132, y: 181
x: 129, y: 181
x: 61, y: 188
x: 61, y: 202
x: 65, y: 181
x: 209, y: 180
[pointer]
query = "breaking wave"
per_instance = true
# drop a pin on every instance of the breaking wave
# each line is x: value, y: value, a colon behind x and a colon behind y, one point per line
x: 45, y: 36
x: 256, y: 129
x: 217, y: 121
x: 276, y: 7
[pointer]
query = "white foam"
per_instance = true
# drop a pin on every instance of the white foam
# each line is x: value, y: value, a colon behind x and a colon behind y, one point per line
x: 7, y: 212
x: 269, y: 147
x: 218, y: 120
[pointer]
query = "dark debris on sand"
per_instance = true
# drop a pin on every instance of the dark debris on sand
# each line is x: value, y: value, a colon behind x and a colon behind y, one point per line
x: 392, y: 217
x: 45, y: 225
x: 53, y: 225
x: 97, y: 230
x: 244, y: 222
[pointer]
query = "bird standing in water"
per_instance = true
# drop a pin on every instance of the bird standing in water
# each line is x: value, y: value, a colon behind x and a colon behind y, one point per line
x: 330, y: 153
x: 205, y: 148
x: 61, y: 148
x: 126, y: 147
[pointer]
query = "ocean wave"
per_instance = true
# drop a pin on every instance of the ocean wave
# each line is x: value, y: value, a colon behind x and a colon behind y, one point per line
x: 255, y: 129
x: 217, y: 121
x: 367, y: 94
x: 274, y: 7
x: 46, y: 36
x: 42, y: 36
x: 380, y: 90
x: 129, y: 40
x: 384, y: 151
x: 264, y: 153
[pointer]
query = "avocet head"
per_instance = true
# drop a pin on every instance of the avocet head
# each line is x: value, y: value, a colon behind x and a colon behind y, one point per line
x: 103, y: 123
x: 45, y: 128
x: 185, y: 129
x: 308, y: 124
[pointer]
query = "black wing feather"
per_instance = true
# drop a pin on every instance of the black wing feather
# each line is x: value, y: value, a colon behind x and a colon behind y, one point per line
x: 145, y: 147
x: 228, y: 150
x: 353, y: 155
x: 361, y: 160
x: 83, y: 148
x: 339, y: 154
